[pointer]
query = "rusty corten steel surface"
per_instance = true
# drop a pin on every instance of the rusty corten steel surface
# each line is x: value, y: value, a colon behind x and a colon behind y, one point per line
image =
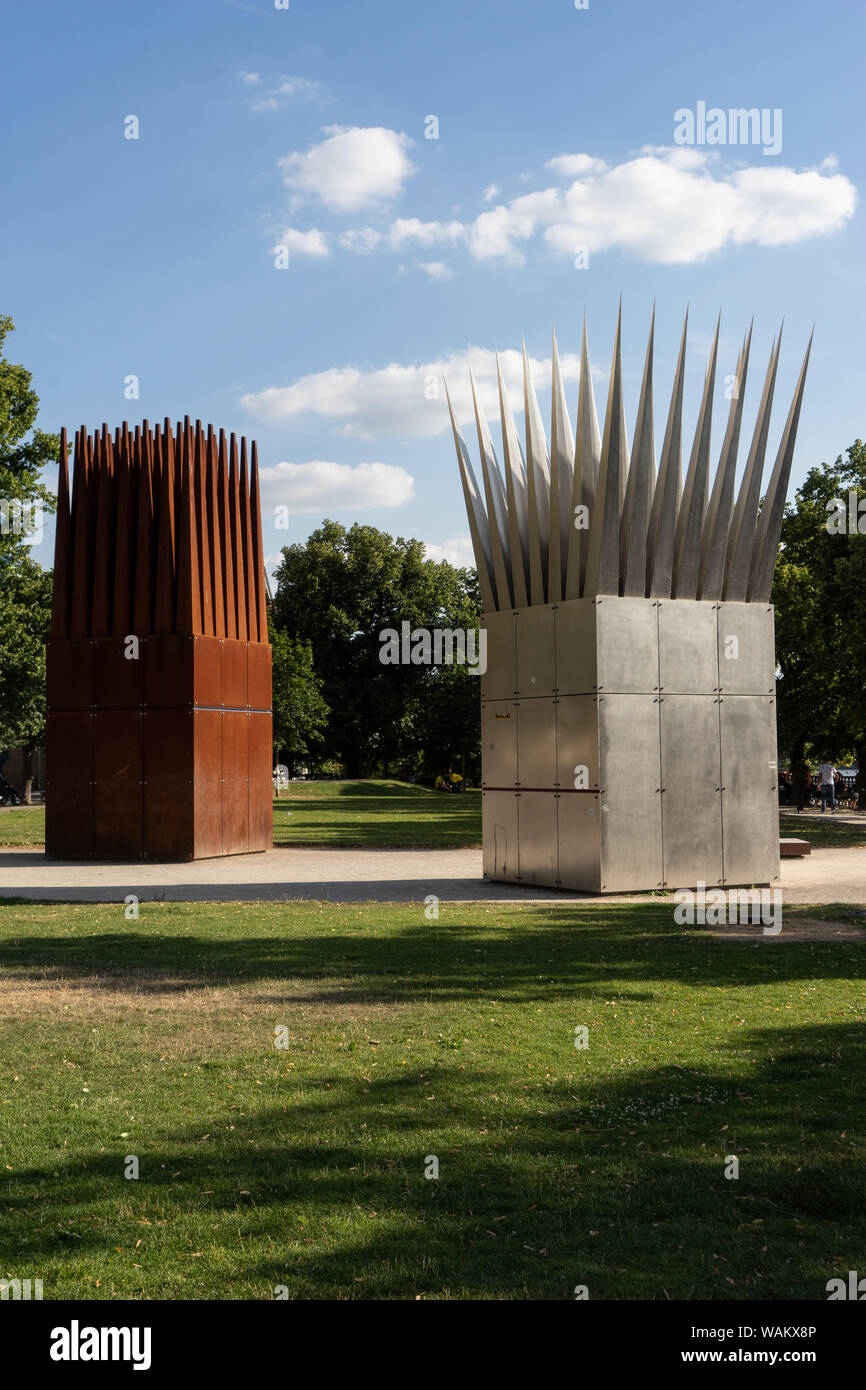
x: 158, y: 747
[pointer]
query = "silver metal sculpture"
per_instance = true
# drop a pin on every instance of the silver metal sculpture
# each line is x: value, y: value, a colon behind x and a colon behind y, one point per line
x: 628, y: 710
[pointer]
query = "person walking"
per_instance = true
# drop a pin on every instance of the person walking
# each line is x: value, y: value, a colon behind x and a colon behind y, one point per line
x: 827, y: 785
x: 800, y: 779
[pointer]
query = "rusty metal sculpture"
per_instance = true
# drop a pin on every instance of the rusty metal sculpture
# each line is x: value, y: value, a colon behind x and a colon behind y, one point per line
x: 159, y: 667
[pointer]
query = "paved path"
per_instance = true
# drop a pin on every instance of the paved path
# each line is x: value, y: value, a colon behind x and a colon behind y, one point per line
x: 358, y: 875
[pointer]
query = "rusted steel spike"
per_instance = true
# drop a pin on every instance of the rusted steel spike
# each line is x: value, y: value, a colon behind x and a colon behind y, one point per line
x: 166, y: 559
x: 142, y: 611
x: 121, y: 611
x: 237, y: 543
x: 62, y: 547
x: 188, y: 588
x: 79, y: 606
x: 226, y: 541
x: 211, y: 502
x: 256, y: 507
x: 248, y: 547
x: 204, y: 540
x: 103, y: 552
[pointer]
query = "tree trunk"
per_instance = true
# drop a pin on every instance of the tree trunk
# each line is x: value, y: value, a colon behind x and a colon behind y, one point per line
x: 28, y: 775
x: 860, y: 750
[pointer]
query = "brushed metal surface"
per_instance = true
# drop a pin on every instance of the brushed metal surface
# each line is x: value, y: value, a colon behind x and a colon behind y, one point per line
x: 499, y: 743
x: 538, y: 852
x: 579, y: 834
x: 688, y: 647
x: 747, y: 630
x: 536, y: 743
x: 535, y: 650
x: 576, y: 646
x: 691, y: 796
x: 499, y: 835
x: 627, y: 643
x: 499, y: 681
x: 750, y: 822
x: 630, y: 811
x: 576, y: 741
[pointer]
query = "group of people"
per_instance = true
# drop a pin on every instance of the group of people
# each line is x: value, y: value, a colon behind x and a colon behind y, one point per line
x: 800, y: 785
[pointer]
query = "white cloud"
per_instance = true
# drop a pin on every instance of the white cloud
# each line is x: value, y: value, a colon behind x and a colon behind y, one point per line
x: 572, y: 166
x: 490, y: 192
x: 406, y: 401
x: 252, y: 79
x: 457, y: 551
x: 311, y: 243
x: 320, y: 486
x: 666, y: 206
x: 361, y: 239
x: 286, y: 89
x: 437, y: 270
x: 354, y: 167
x: 425, y: 233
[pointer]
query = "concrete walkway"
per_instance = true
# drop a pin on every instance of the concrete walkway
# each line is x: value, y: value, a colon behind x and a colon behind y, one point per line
x: 358, y: 875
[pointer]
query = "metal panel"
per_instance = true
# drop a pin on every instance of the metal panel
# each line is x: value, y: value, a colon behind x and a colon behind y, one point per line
x: 169, y: 806
x: 207, y: 672
x: 628, y: 653
x: 208, y: 779
x: 69, y: 673
x: 747, y: 656
x: 234, y: 668
x: 631, y: 831
x: 691, y: 796
x: 261, y: 815
x: 167, y: 671
x: 576, y: 740
x: 259, y: 681
x: 69, y: 785
x: 750, y: 816
x: 499, y: 829
x: 499, y: 743
x: 538, y: 853
x: 499, y: 681
x: 688, y: 650
x: 535, y: 650
x: 116, y: 677
x: 235, y: 776
x: 579, y: 826
x: 575, y: 646
x: 118, y: 830
x: 536, y: 743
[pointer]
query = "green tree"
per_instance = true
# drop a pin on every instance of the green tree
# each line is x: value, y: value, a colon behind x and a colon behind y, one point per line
x: 300, y: 713
x: 25, y: 589
x: 340, y: 591
x: 819, y: 591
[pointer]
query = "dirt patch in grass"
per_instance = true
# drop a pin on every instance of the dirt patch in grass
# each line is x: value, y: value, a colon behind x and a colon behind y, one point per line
x: 797, y: 929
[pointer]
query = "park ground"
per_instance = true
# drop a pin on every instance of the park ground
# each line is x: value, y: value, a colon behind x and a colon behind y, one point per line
x: 402, y: 1039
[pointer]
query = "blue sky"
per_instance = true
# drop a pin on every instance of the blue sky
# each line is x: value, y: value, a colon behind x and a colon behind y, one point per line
x: 306, y: 128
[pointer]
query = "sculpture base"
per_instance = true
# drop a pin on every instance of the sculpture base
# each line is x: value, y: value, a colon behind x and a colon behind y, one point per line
x: 629, y: 744
x: 163, y: 755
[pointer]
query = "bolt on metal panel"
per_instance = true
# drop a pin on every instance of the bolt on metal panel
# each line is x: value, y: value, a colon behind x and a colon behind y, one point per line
x: 576, y: 654
x: 688, y: 649
x: 535, y: 650
x: 499, y: 835
x: 691, y: 796
x: 536, y: 743
x: 747, y: 654
x: 750, y: 825
x: 499, y: 743
x: 627, y: 638
x: 631, y: 816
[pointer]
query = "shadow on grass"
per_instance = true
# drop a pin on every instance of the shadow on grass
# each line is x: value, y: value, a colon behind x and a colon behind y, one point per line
x: 616, y: 1183
x: 537, y: 954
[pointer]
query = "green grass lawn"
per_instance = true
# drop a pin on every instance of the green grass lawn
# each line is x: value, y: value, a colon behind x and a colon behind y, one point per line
x: 824, y: 832
x: 408, y: 1038
x: 385, y: 814
x: 22, y: 826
